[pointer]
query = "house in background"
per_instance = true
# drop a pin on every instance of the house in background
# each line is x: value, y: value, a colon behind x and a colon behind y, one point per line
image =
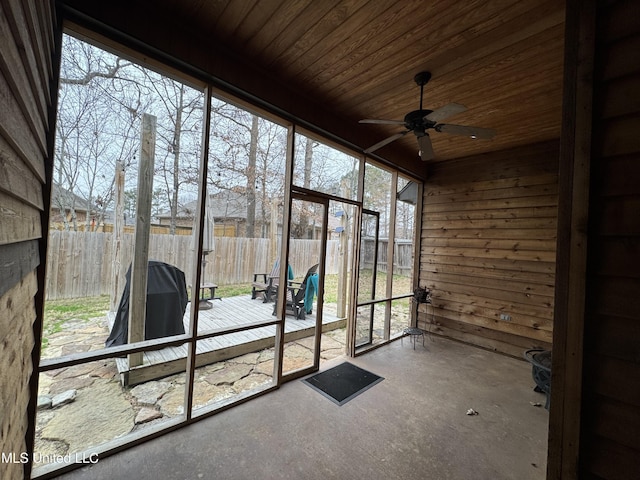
x: 568, y: 140
x: 66, y: 205
x: 228, y: 210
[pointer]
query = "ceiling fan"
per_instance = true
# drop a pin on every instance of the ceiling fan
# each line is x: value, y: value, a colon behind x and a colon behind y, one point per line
x: 421, y: 120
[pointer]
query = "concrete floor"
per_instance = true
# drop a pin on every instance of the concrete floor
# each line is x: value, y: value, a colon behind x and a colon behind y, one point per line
x: 412, y: 425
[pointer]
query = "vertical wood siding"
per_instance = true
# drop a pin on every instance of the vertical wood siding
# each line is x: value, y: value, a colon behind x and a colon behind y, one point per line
x: 489, y: 246
x: 611, y: 419
x: 26, y: 44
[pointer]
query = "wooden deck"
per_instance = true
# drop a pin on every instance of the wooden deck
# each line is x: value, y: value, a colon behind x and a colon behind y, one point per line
x: 225, y: 313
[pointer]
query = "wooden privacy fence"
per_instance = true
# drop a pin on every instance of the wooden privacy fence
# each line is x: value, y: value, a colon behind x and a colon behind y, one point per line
x: 402, y: 255
x: 80, y: 264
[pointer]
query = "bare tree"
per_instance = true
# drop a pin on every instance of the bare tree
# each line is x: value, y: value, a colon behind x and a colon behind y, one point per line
x: 95, y: 127
x: 179, y: 109
x: 247, y: 157
x: 102, y: 98
x: 300, y: 223
x: 270, y: 178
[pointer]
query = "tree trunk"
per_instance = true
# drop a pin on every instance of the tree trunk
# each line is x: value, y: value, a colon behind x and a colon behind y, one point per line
x: 176, y: 163
x: 74, y: 217
x: 251, y: 180
x: 305, y: 229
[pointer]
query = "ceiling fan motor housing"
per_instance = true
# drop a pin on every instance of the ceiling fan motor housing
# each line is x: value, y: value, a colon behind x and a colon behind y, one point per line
x: 416, y: 122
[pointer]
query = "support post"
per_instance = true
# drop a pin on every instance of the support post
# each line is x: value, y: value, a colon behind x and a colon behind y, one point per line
x: 118, y: 232
x: 139, y: 270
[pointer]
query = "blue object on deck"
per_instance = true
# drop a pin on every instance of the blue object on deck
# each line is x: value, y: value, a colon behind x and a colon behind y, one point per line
x: 310, y: 292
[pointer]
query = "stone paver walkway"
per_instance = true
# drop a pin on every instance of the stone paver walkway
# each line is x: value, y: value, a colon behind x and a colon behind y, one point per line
x: 85, y: 405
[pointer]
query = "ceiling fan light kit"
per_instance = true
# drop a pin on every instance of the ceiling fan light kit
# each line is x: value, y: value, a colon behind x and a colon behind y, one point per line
x: 421, y: 120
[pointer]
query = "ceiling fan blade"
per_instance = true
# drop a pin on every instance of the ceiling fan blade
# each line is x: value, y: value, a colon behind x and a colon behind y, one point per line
x: 447, y: 111
x: 382, y: 122
x: 473, y: 132
x: 386, y: 141
x: 426, y: 148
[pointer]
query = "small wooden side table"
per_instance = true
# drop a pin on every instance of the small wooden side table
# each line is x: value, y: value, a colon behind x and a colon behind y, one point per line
x: 204, y: 303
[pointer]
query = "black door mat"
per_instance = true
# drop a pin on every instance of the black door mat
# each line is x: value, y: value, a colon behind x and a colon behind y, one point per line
x: 343, y: 382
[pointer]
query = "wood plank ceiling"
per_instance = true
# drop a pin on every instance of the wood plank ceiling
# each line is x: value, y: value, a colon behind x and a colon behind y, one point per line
x: 500, y: 58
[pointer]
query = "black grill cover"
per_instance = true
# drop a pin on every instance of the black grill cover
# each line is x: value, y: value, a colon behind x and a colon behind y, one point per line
x: 166, y: 304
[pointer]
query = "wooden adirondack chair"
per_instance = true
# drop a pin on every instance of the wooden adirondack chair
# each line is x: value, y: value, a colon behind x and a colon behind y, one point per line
x: 267, y: 283
x: 295, y: 295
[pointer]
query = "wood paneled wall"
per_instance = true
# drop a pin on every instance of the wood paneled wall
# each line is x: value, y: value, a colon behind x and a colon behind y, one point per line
x: 488, y: 248
x: 26, y: 76
x: 611, y: 390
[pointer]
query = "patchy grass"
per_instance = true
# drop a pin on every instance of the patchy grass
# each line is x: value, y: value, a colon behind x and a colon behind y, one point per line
x: 401, y: 285
x: 233, y: 290
x: 58, y: 312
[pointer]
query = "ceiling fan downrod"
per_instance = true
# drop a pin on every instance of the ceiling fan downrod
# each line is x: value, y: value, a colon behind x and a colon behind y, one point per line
x: 422, y: 79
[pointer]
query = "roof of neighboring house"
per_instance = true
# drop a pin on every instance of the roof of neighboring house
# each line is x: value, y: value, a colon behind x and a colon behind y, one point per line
x: 63, y: 199
x: 231, y: 204
x: 224, y: 204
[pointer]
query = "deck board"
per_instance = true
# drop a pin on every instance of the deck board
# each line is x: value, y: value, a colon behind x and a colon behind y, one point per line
x: 229, y: 312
